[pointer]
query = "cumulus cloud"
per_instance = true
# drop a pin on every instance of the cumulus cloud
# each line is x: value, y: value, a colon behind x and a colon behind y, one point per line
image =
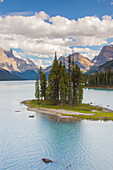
x: 42, y: 63
x: 41, y: 35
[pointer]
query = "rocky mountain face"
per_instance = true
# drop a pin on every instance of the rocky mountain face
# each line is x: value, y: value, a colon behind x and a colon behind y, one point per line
x: 83, y: 62
x: 105, y: 55
x: 104, y: 66
x: 11, y: 63
x: 27, y: 69
x: 6, y: 76
x: 28, y: 74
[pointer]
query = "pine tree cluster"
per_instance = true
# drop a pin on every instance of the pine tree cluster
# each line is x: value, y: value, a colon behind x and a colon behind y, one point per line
x: 63, y: 86
x: 100, y: 79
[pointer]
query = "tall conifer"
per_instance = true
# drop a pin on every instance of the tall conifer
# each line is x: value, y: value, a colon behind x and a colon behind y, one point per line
x: 69, y: 81
x: 43, y: 83
x: 62, y: 88
x: 53, y: 82
x: 37, y: 91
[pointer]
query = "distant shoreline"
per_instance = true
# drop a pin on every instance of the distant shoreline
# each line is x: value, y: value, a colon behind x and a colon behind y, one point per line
x: 103, y: 88
x: 62, y: 115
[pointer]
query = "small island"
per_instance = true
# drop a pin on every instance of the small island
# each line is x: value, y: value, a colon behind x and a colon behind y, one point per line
x: 65, y: 114
x: 60, y: 96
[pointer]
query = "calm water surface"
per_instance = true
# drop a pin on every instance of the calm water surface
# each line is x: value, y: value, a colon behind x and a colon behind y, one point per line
x: 86, y: 145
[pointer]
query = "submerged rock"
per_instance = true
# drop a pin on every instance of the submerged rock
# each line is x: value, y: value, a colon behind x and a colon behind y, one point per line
x: 46, y: 160
x: 32, y: 116
x: 68, y: 166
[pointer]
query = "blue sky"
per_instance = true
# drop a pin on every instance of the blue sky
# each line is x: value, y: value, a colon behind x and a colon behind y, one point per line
x: 72, y: 9
x: 36, y: 29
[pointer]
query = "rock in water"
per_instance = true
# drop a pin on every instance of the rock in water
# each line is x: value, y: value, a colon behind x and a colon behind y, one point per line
x: 46, y: 160
x: 32, y: 116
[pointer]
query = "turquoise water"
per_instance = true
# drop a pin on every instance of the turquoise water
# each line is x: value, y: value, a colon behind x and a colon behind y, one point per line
x: 86, y: 145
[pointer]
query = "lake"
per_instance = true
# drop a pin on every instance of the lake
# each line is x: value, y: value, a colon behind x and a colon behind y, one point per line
x: 84, y: 145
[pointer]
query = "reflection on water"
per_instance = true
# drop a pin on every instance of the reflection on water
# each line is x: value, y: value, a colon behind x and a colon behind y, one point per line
x: 23, y: 141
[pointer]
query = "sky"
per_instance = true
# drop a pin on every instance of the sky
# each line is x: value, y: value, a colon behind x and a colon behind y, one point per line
x: 36, y: 29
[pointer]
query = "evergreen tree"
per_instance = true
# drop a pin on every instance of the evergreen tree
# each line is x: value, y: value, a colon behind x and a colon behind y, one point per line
x: 62, y: 90
x: 63, y: 72
x: 60, y: 69
x: 53, y: 82
x: 89, y: 79
x: 37, y: 91
x: 69, y: 81
x: 101, y: 79
x: 66, y: 85
x: 79, y: 85
x: 74, y: 82
x: 80, y: 93
x: 95, y: 82
x: 43, y: 84
x: 108, y: 75
x: 97, y: 79
x: 70, y: 90
x: 85, y: 80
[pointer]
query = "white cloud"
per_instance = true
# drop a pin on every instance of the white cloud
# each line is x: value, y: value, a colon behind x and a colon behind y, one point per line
x: 41, y: 35
x: 26, y: 13
x: 39, y: 63
x: 43, y: 56
x: 2, y: 0
x: 42, y: 15
x: 42, y: 63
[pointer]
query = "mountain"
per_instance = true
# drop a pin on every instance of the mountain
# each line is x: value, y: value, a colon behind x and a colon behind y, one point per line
x: 83, y: 62
x: 6, y: 75
x: 104, y: 66
x: 11, y: 63
x: 105, y: 55
x: 28, y: 74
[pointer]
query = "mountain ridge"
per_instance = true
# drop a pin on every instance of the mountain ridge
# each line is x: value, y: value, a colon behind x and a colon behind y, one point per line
x: 83, y: 62
x: 105, y: 55
x: 7, y: 76
x: 11, y: 63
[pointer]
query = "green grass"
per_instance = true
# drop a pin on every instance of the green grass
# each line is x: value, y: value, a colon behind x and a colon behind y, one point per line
x: 99, y: 112
x: 96, y: 116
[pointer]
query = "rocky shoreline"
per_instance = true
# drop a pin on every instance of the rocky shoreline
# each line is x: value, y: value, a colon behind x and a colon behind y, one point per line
x: 56, y: 114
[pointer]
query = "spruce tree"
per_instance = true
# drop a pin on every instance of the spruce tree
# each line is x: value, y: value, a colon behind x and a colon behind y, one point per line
x: 74, y: 81
x: 85, y: 79
x: 62, y: 90
x: 37, y: 91
x: 79, y: 85
x: 66, y: 85
x: 89, y: 79
x: 95, y: 82
x: 69, y: 81
x: 65, y: 74
x: 53, y: 82
x: 80, y: 92
x: 43, y: 84
x: 70, y: 90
